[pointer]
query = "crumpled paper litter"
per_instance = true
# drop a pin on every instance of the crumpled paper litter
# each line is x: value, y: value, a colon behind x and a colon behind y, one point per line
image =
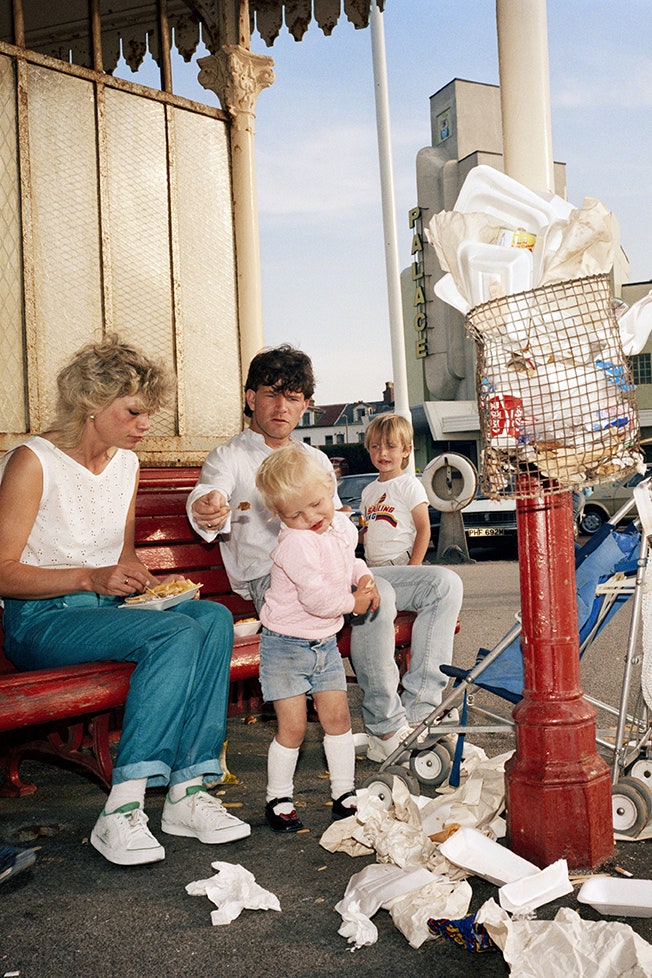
x: 411, y: 896
x: 567, y: 945
x: 232, y: 890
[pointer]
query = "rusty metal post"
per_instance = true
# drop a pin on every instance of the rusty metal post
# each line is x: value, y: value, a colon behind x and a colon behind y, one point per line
x: 558, y: 789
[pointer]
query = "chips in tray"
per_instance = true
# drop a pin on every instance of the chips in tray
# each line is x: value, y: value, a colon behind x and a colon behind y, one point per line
x: 168, y: 590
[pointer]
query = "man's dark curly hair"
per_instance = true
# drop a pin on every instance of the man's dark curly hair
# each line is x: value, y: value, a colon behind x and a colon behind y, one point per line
x: 284, y: 369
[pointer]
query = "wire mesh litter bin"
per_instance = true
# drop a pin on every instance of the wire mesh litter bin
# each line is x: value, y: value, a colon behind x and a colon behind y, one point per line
x: 555, y: 392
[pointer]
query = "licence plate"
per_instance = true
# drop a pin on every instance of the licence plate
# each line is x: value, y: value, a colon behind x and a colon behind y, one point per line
x: 489, y: 531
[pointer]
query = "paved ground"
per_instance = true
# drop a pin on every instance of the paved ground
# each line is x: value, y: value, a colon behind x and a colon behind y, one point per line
x: 73, y: 915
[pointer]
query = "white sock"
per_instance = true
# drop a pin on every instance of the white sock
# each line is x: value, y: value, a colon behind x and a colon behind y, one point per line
x: 340, y: 757
x: 178, y: 791
x: 281, y: 765
x: 124, y: 793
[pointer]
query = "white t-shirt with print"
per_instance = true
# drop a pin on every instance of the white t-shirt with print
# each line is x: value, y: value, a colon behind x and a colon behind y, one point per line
x: 387, y: 508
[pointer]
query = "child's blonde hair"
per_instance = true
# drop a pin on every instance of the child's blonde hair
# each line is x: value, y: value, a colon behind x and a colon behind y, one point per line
x: 287, y: 471
x: 387, y: 428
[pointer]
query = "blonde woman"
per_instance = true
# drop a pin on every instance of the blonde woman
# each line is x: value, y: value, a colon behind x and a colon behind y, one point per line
x: 67, y: 502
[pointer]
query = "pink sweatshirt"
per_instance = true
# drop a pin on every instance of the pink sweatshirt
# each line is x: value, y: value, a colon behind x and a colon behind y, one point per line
x: 311, y: 580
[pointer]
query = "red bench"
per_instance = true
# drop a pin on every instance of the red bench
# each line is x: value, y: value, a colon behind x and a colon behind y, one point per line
x: 72, y: 713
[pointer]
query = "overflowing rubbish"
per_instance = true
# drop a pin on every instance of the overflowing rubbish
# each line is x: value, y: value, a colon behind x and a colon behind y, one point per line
x: 555, y: 392
x: 421, y: 878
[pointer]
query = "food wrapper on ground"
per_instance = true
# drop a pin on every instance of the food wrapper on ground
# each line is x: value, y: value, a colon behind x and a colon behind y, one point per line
x: 478, y: 800
x: 522, y: 896
x: 465, y: 931
x: 397, y: 836
x: 411, y: 896
x: 442, y: 898
x: 232, y: 890
x: 567, y: 945
x: 358, y: 929
x: 379, y: 884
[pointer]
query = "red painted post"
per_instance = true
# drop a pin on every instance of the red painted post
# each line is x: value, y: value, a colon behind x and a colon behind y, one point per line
x: 558, y: 789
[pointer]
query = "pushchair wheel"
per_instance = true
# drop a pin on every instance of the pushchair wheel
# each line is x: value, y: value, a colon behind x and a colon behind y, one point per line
x: 630, y: 805
x: 642, y: 771
x: 432, y: 765
x: 380, y: 784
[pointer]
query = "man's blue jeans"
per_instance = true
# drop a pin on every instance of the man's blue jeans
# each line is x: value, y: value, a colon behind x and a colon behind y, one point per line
x: 175, y: 716
x: 435, y: 594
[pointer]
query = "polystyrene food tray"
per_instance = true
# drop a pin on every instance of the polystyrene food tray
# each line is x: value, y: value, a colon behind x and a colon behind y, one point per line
x: 242, y: 628
x: 482, y: 265
x: 475, y: 852
x: 161, y: 604
x: 618, y: 898
x: 488, y: 191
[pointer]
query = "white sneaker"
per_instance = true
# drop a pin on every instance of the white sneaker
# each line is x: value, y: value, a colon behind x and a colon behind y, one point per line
x: 379, y: 749
x: 199, y: 815
x: 123, y: 837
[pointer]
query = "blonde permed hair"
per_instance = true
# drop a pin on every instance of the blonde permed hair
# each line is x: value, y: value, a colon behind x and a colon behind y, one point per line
x: 97, y: 375
x: 286, y: 472
x: 386, y: 428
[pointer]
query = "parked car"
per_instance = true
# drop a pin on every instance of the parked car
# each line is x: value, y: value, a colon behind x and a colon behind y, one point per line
x: 605, y: 501
x: 490, y: 521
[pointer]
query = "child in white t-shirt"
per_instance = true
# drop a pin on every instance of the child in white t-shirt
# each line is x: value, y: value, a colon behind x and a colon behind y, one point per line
x: 395, y: 506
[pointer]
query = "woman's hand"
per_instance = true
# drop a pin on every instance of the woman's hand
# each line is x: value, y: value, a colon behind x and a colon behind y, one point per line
x: 211, y: 510
x: 121, y: 579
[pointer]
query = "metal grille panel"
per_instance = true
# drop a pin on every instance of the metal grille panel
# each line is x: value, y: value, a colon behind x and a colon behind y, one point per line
x: 209, y: 371
x: 138, y: 242
x: 64, y: 226
x: 12, y: 369
x: 116, y: 214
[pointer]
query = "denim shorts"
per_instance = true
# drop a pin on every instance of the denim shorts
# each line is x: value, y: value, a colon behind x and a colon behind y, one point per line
x: 291, y: 666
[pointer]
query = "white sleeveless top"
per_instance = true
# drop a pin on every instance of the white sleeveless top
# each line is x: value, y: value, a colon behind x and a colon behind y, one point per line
x: 81, y: 517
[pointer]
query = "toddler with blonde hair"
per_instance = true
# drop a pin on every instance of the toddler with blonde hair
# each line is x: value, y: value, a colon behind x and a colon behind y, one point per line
x: 315, y: 580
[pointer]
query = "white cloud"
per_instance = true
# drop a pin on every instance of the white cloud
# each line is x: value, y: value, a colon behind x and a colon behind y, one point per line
x: 606, y: 84
x: 332, y: 173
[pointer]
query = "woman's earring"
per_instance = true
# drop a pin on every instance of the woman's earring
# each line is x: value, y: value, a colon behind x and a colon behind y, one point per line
x: 91, y: 417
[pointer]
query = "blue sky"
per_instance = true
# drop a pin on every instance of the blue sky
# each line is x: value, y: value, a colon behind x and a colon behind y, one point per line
x: 324, y: 286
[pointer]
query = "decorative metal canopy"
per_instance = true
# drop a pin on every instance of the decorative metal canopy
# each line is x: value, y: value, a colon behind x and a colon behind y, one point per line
x: 63, y: 30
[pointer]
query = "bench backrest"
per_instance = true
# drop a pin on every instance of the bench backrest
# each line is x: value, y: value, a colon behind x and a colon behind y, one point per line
x: 166, y: 542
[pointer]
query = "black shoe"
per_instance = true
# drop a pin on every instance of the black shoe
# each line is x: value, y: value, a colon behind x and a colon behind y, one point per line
x: 282, y: 823
x: 341, y: 810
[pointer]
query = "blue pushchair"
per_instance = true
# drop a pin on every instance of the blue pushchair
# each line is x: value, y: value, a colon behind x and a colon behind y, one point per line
x: 610, y: 568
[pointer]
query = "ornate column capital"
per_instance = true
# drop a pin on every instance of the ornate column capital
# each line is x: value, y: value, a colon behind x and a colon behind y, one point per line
x: 237, y: 76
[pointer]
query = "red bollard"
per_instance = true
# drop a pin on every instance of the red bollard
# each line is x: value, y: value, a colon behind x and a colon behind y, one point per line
x: 558, y: 789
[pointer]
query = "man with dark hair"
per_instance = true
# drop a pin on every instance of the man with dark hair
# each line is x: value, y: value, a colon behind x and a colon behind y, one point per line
x: 278, y: 388
x: 284, y: 369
